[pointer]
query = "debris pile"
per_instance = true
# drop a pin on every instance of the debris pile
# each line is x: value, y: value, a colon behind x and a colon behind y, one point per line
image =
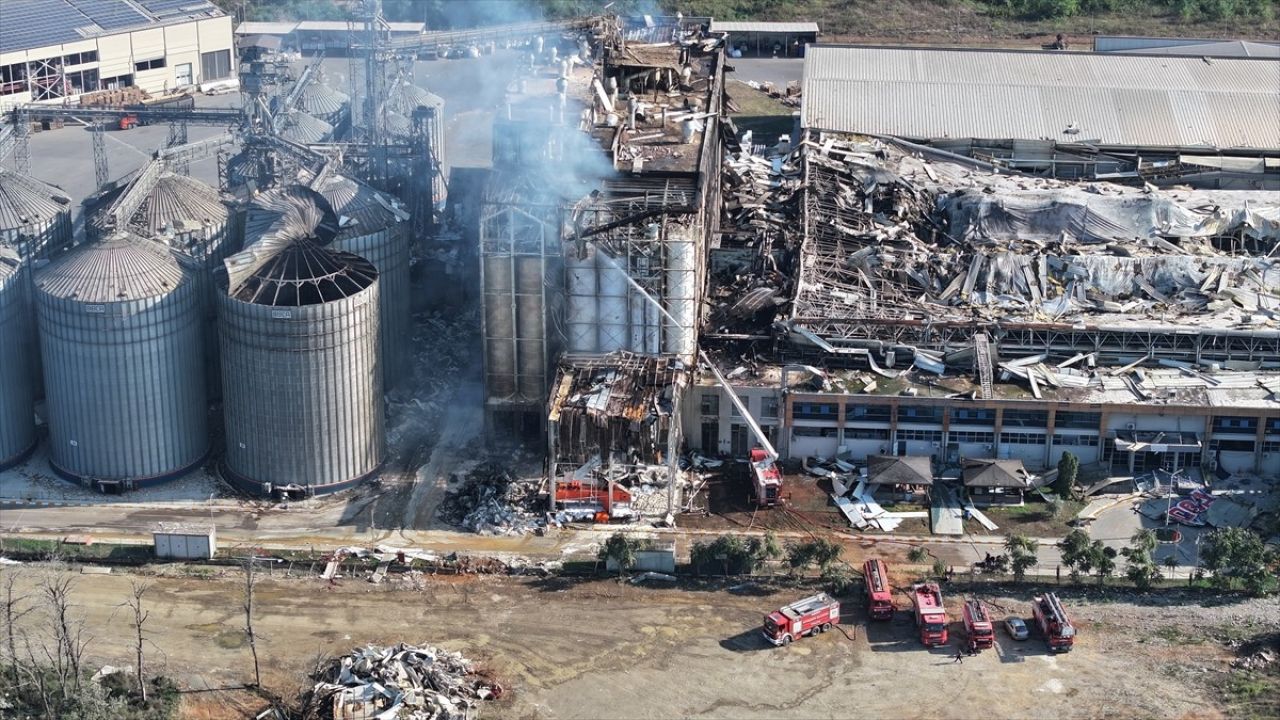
x: 492, y: 502
x: 400, y: 683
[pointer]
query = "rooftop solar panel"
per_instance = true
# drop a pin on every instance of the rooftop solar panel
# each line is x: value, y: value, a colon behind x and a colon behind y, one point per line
x: 111, y: 14
x: 35, y: 23
x: 174, y: 8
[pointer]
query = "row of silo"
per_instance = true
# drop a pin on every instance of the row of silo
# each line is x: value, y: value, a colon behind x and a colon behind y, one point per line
x: 300, y: 345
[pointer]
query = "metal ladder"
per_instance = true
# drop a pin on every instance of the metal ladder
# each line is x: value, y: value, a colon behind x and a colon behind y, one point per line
x: 982, y: 354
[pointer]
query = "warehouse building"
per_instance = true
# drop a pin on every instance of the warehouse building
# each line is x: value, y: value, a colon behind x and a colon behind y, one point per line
x: 313, y: 36
x: 767, y: 39
x: 56, y: 50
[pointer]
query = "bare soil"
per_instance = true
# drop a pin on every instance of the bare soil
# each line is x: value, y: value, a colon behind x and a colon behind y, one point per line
x: 599, y: 649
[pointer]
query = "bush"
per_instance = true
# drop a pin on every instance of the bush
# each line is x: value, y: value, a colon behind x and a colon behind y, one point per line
x: 1068, y: 472
x: 820, y: 552
x: 732, y: 555
x: 1238, y: 559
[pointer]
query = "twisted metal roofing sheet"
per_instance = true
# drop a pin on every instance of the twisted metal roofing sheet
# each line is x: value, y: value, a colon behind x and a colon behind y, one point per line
x: 1110, y: 99
x: 116, y: 269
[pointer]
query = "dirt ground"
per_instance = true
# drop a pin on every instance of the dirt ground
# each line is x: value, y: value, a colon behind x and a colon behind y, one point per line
x: 598, y: 649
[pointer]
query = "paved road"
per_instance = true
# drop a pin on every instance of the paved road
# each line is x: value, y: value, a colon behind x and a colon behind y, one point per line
x: 779, y: 72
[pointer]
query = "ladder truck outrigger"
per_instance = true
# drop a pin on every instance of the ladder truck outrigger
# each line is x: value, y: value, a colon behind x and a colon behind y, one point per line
x: 766, y: 479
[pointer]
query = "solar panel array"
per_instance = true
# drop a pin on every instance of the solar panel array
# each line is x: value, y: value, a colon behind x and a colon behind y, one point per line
x: 26, y: 24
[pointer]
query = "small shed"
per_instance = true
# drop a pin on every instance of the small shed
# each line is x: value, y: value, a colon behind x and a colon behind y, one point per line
x: 906, y: 476
x: 656, y: 556
x: 767, y: 39
x: 996, y: 482
x: 181, y: 541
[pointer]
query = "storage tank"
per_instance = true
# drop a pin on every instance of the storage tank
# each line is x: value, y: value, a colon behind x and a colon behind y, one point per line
x: 35, y: 218
x: 374, y: 226
x: 369, y: 224
x: 17, y: 418
x: 190, y: 217
x: 300, y: 358
x: 403, y: 99
x: 123, y: 355
x: 499, y: 325
x: 323, y: 102
x: 297, y: 126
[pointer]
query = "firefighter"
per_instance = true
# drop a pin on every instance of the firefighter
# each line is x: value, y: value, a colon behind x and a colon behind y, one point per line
x: 959, y: 656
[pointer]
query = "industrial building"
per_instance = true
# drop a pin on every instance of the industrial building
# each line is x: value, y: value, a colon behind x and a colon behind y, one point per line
x: 57, y: 50
x: 313, y: 36
x: 922, y: 279
x: 1195, y: 47
x: 766, y: 39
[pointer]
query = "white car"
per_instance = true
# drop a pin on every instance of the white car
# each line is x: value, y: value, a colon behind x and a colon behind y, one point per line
x: 1016, y: 628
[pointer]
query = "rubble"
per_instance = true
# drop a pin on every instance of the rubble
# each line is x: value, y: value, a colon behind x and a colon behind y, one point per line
x: 490, y: 501
x: 402, y: 682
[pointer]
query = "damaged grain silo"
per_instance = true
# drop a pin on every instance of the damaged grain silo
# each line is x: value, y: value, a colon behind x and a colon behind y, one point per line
x: 367, y: 223
x: 300, y: 357
x: 123, y: 363
x: 17, y: 419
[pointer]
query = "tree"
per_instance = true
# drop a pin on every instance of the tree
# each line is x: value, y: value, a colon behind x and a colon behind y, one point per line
x: 139, y: 620
x: 1022, y: 554
x: 733, y: 555
x: 1237, y: 557
x: 821, y: 552
x: 15, y: 608
x: 1068, y: 471
x: 1171, y: 562
x: 622, y: 550
x: 1103, y: 560
x: 69, y: 635
x: 1075, y: 553
x: 1141, y: 567
x: 249, y: 582
x: 917, y: 555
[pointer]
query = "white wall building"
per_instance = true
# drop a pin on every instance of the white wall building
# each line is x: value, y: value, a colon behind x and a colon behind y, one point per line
x: 56, y: 50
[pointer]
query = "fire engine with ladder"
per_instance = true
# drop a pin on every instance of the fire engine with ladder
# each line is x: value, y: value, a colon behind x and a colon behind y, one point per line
x: 979, y: 632
x: 765, y: 477
x: 879, y: 593
x: 1058, y: 631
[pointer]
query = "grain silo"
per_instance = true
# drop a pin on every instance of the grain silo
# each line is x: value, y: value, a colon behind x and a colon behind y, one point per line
x: 404, y: 99
x: 123, y: 359
x: 300, y: 357
x: 374, y: 226
x: 297, y: 126
x: 321, y: 101
x: 35, y: 218
x: 190, y: 217
x: 17, y: 417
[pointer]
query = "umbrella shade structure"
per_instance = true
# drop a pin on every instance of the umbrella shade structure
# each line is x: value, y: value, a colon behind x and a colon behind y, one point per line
x: 900, y: 470
x: 996, y: 474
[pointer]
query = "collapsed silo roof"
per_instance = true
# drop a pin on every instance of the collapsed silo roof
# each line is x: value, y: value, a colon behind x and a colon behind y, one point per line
x: 118, y: 268
x: 359, y: 209
x: 25, y: 200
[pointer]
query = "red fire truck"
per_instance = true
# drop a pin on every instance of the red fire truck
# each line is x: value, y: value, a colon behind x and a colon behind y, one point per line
x: 931, y: 617
x: 879, y: 594
x: 979, y: 632
x: 809, y: 616
x: 1054, y: 624
x: 767, y: 479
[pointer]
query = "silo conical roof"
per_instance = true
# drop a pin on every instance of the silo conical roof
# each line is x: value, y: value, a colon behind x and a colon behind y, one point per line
x: 178, y: 203
x: 300, y: 127
x: 25, y: 200
x: 115, y: 269
x: 320, y: 99
x: 360, y: 209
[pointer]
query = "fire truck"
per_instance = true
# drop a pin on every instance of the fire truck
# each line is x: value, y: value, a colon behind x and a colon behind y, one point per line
x: 809, y: 616
x: 767, y: 479
x: 979, y: 632
x: 931, y: 617
x: 879, y: 594
x: 1054, y: 624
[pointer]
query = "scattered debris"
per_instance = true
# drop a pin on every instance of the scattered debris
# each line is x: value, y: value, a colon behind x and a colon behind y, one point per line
x: 400, y: 683
x: 490, y: 501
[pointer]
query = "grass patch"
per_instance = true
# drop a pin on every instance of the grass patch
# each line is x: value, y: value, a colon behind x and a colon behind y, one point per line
x: 33, y: 549
x: 764, y: 116
x: 1175, y: 635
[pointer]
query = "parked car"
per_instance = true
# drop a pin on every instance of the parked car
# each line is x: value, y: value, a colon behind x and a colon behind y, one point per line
x: 1016, y: 628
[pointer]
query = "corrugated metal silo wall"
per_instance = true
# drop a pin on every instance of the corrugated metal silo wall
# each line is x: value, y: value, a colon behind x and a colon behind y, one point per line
x: 37, y: 241
x: 218, y: 242
x: 303, y: 391
x: 388, y: 250
x: 17, y: 423
x: 125, y: 385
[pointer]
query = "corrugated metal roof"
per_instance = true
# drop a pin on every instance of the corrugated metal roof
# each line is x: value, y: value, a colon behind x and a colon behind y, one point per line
x: 300, y: 127
x: 1225, y: 49
x: 265, y: 28
x: 25, y: 200
x: 119, y: 268
x: 320, y: 99
x: 355, y: 201
x: 177, y: 204
x: 26, y: 24
x: 764, y: 27
x: 9, y: 263
x: 1112, y: 99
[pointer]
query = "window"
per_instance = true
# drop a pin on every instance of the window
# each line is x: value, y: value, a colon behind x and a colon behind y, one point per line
x: 1077, y: 420
x: 920, y: 435
x: 969, y: 436
x: 1234, y: 445
x: 814, y: 411
x: 13, y: 79
x: 145, y: 65
x: 966, y: 416
x: 1235, y: 424
x: 1271, y: 446
x: 711, y: 404
x: 82, y: 82
x: 80, y: 58
x: 118, y: 82
x: 1062, y: 440
x: 866, y: 434
x: 769, y: 407
x: 215, y: 65
x: 1026, y: 418
x: 1019, y: 438
x: 733, y: 408
x: 818, y: 432
x: 1273, y: 426
x: 867, y: 413
x: 920, y: 414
